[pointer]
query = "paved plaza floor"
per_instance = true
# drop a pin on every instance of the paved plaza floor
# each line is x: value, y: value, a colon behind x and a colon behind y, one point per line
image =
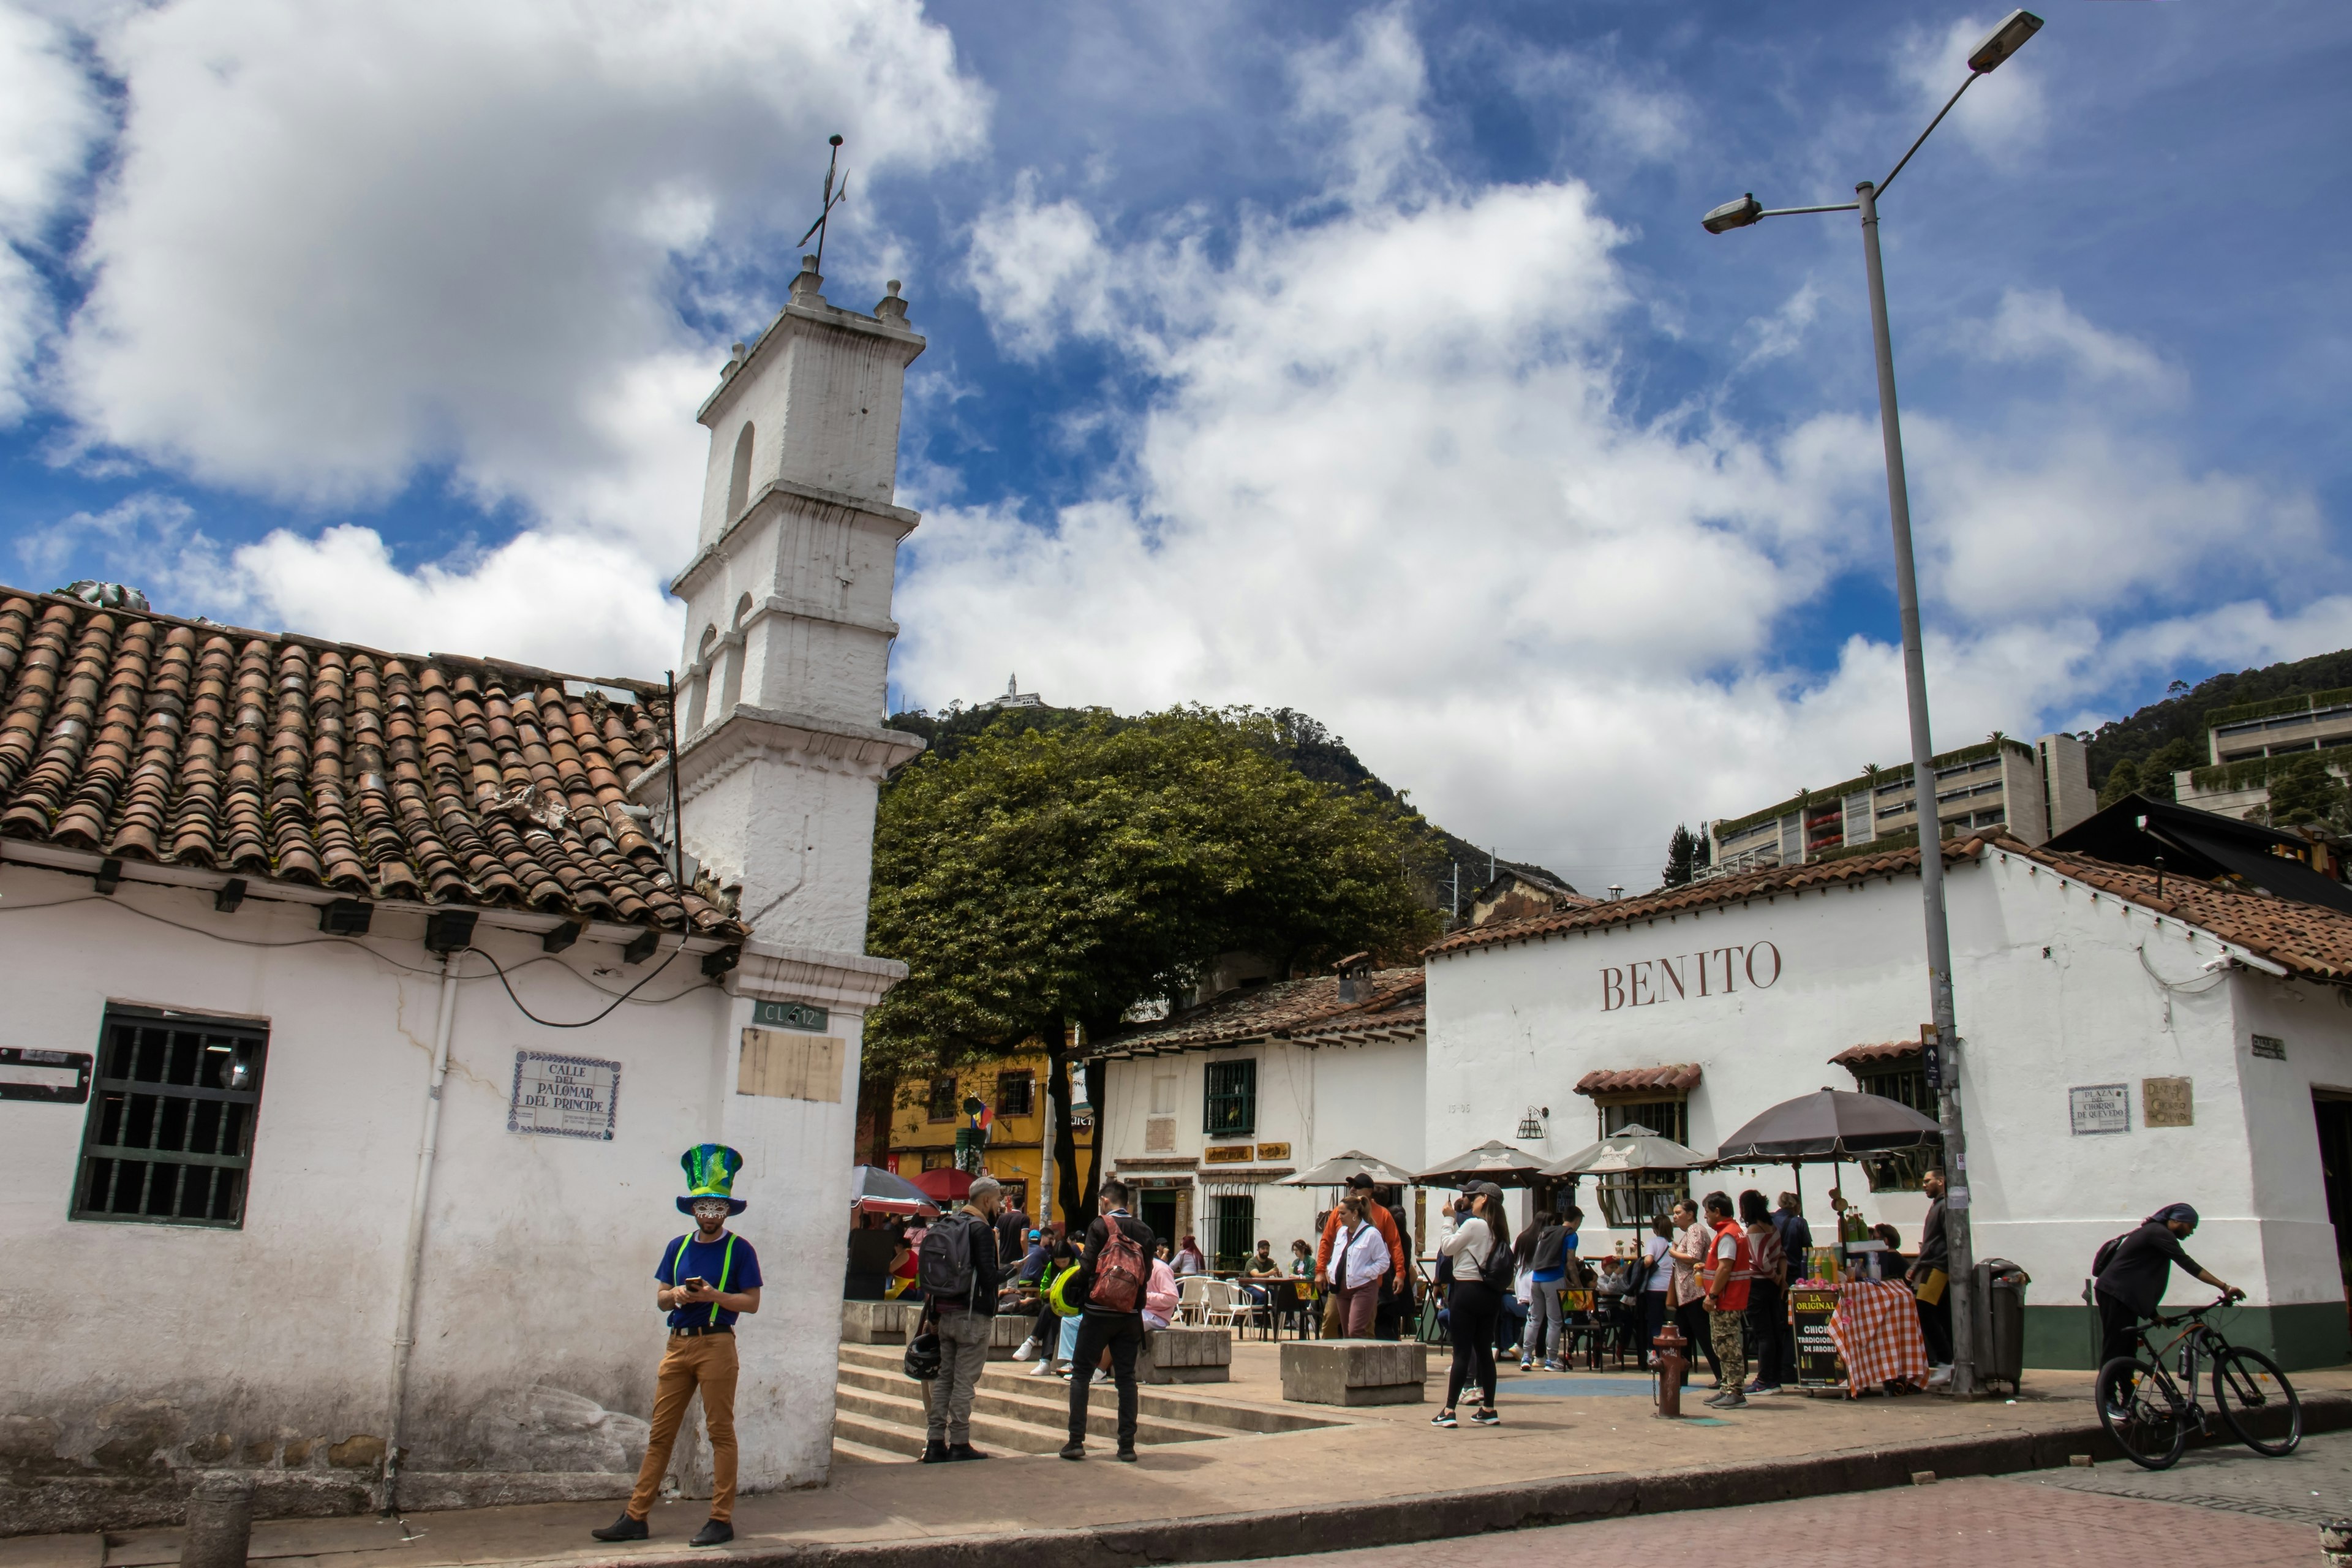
x: 1556, y: 1427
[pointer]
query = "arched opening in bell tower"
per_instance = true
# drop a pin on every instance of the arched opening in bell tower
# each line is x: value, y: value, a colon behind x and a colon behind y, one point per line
x: 739, y: 482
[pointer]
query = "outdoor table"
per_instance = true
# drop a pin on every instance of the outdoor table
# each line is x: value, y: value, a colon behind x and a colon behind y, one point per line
x: 1876, y: 1330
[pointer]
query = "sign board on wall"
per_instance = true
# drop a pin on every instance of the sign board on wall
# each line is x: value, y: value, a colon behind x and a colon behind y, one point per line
x: 790, y: 1016
x: 790, y: 1066
x: 570, y: 1096
x: 1225, y: 1154
x: 62, y: 1076
x: 1274, y: 1151
x: 2099, y: 1108
x: 2166, y: 1102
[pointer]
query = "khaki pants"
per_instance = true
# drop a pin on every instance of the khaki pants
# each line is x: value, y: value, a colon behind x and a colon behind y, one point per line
x: 963, y: 1356
x: 706, y: 1362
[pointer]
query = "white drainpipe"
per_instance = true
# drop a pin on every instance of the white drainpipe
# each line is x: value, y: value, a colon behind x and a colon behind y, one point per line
x: 403, y: 1337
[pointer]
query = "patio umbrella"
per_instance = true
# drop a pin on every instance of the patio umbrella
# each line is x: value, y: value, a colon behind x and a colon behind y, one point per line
x: 1335, y: 1172
x: 1832, y: 1124
x: 876, y: 1190
x: 1627, y: 1149
x: 945, y: 1185
x: 1493, y: 1161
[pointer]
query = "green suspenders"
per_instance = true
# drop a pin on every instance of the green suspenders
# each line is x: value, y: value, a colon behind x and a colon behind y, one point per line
x: 726, y: 1269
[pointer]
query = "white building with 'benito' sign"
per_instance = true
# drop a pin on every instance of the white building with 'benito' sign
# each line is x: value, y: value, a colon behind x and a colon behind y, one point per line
x: 2126, y: 1041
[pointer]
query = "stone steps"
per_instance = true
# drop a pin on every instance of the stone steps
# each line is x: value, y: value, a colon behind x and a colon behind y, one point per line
x: 909, y: 1417
x: 1043, y: 1403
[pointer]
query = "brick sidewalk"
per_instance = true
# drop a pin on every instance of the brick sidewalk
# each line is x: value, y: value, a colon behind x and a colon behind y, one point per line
x: 1954, y: 1524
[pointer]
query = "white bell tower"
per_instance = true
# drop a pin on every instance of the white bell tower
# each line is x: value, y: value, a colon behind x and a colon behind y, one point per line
x: 782, y: 750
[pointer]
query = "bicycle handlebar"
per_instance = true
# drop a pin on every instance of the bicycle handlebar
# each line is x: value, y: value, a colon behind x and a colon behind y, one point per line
x: 2229, y: 1298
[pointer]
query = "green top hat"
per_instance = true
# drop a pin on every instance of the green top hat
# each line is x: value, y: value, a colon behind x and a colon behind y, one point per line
x: 711, y: 1173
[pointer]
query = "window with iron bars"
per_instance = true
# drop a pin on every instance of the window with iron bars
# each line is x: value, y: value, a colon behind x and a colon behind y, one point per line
x: 1016, y: 1093
x: 942, y: 1103
x: 168, y: 1138
x: 1904, y: 1080
x: 1230, y: 1105
x: 1630, y: 1198
x: 1232, y: 1230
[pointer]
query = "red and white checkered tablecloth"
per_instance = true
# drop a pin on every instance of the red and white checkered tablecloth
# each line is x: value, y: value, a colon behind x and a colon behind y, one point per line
x: 1876, y: 1330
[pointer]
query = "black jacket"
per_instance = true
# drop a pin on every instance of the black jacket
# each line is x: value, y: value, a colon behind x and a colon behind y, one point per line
x: 2142, y: 1267
x: 1083, y: 1287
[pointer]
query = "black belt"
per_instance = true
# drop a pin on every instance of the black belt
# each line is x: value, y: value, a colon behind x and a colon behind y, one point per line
x: 697, y: 1333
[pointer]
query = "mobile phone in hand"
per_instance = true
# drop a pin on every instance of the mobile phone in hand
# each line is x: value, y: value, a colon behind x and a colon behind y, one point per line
x: 695, y: 1282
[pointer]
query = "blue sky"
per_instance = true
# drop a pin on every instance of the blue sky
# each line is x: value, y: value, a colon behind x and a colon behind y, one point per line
x: 1365, y: 359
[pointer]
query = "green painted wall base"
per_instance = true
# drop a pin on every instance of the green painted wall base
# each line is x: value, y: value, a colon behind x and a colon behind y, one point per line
x: 2312, y: 1334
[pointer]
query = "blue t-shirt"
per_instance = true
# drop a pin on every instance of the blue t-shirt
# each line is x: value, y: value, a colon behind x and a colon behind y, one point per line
x: 710, y: 1261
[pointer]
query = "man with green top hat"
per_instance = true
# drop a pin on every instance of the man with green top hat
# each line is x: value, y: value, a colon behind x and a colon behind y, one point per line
x: 708, y: 1277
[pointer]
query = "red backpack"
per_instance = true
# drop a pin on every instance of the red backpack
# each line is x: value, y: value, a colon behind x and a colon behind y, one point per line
x: 1121, y: 1270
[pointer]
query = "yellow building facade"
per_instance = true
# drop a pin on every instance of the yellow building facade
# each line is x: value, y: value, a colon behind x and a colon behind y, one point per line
x: 926, y: 1113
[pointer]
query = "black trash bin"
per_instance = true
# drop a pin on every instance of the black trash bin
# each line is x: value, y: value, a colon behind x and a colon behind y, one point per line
x: 2000, y: 1321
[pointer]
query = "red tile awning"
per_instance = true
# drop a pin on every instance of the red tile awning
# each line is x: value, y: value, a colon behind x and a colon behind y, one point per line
x: 1677, y: 1078
x: 1876, y: 1055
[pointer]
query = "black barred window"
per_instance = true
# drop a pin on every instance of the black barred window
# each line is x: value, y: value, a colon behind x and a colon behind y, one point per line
x: 170, y: 1135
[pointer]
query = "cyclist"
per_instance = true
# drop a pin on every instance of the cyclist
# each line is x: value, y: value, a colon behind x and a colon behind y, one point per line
x: 2132, y: 1284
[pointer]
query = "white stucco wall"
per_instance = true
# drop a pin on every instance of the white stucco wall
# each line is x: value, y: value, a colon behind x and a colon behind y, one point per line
x: 123, y: 1343
x: 2050, y: 993
x: 1321, y: 1102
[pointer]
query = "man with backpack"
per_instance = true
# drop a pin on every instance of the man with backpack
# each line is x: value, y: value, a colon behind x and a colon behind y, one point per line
x: 1112, y: 1272
x: 959, y: 1271
x: 2130, y: 1273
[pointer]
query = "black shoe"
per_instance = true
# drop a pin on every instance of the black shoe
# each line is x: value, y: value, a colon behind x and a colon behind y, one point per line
x: 964, y: 1452
x: 1127, y: 1455
x: 622, y: 1529
x: 1076, y: 1448
x: 935, y: 1453
x: 714, y: 1532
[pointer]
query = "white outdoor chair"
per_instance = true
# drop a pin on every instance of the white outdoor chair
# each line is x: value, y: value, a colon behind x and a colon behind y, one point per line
x: 1192, y: 1297
x: 1220, y: 1297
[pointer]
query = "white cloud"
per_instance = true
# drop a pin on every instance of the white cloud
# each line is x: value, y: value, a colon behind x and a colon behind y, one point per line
x: 2033, y: 324
x: 343, y: 242
x: 2000, y: 116
x: 1381, y: 467
x: 49, y: 118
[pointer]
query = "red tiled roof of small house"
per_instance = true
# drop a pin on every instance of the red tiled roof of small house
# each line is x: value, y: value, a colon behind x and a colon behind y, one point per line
x: 438, y: 779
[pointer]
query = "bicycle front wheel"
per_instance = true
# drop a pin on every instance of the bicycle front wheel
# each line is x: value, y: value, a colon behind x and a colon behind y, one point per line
x: 2254, y: 1395
x: 2142, y: 1412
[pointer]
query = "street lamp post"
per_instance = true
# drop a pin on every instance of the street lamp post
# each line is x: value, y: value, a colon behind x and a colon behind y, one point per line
x: 2002, y: 42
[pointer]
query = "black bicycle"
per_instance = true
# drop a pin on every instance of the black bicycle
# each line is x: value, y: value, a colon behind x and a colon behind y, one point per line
x: 2144, y: 1408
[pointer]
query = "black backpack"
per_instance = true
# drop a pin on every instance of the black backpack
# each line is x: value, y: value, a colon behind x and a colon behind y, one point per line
x: 943, y: 1265
x: 1500, y: 1271
x: 2106, y: 1252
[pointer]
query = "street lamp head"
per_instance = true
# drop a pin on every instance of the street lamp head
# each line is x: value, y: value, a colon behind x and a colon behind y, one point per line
x: 2004, y: 40
x: 1733, y: 214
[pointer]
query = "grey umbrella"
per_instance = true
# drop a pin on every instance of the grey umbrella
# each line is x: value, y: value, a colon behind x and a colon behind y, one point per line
x: 871, y: 1187
x: 1627, y: 1149
x: 1335, y: 1172
x: 1830, y: 1124
x: 1494, y: 1161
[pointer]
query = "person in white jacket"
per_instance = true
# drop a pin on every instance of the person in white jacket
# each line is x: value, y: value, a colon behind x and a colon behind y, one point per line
x: 1359, y: 1260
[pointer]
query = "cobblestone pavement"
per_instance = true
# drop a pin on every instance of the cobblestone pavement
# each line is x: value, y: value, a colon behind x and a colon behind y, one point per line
x: 2215, y: 1507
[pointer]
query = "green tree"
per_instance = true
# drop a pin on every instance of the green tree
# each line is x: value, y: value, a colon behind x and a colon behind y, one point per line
x: 1683, y: 852
x: 2302, y: 790
x: 2122, y: 779
x: 1068, y: 874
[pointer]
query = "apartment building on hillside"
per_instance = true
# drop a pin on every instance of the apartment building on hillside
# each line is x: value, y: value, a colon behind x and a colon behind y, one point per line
x: 2245, y: 742
x: 2033, y: 790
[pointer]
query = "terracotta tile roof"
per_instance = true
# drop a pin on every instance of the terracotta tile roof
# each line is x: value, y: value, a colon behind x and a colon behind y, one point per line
x: 439, y: 779
x: 1871, y: 1055
x: 2303, y: 939
x: 1307, y: 1010
x: 1681, y: 1077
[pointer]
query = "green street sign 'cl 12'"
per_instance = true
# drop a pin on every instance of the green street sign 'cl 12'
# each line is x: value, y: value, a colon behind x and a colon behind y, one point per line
x: 789, y: 1016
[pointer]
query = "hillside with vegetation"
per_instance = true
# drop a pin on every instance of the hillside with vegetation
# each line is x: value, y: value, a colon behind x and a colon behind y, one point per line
x: 2143, y: 751
x: 1296, y: 738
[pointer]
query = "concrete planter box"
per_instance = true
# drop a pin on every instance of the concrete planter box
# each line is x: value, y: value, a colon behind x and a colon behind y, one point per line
x: 1187, y: 1355
x: 879, y: 1322
x: 1354, y: 1372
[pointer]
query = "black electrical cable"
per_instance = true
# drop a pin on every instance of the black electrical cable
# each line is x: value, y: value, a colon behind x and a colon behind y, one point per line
x: 628, y: 996
x: 551, y: 1024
